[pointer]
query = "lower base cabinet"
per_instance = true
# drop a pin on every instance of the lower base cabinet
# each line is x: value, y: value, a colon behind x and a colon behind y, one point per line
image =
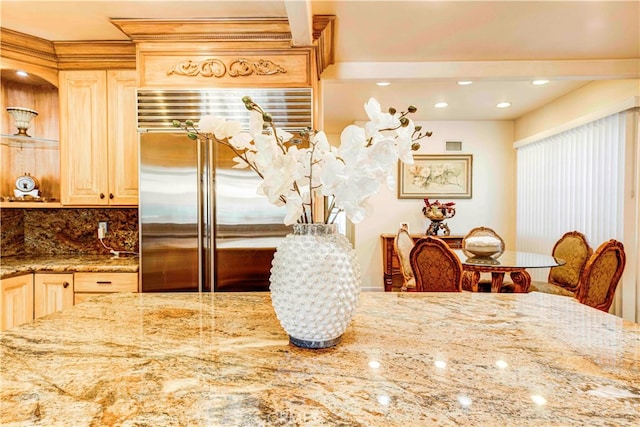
x: 16, y: 301
x: 52, y: 292
x: 88, y: 285
x: 29, y: 296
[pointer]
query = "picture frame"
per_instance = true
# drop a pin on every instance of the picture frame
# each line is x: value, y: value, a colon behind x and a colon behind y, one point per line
x: 436, y: 176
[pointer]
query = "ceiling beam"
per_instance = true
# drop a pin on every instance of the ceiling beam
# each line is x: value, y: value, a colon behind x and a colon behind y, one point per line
x: 300, y: 22
x: 596, y: 69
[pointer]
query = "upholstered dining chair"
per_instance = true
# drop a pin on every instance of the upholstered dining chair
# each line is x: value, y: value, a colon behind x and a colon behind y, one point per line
x: 471, y: 281
x: 436, y: 268
x: 574, y: 248
x: 601, y: 275
x: 403, y: 243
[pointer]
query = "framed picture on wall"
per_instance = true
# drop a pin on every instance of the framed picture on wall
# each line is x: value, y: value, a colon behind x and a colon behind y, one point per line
x: 436, y: 176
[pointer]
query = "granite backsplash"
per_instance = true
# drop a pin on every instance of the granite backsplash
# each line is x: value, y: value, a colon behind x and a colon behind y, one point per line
x: 66, y: 231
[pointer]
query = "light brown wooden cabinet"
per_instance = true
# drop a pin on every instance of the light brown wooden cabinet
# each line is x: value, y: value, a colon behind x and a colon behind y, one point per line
x: 16, y: 301
x: 98, y: 138
x: 87, y: 285
x: 29, y: 296
x: 51, y: 293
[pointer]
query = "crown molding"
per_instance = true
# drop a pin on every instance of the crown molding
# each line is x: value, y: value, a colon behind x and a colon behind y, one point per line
x: 27, y: 48
x: 83, y: 55
x: 96, y: 54
x: 247, y: 29
x: 323, y: 38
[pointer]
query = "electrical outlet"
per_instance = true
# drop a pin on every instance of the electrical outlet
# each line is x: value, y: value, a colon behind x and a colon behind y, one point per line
x: 102, y: 230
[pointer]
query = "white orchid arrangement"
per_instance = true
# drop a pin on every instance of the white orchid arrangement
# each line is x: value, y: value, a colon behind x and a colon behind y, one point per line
x: 293, y: 173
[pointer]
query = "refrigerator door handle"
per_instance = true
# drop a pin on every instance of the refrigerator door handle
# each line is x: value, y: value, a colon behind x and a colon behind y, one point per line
x: 200, y: 172
x: 210, y: 194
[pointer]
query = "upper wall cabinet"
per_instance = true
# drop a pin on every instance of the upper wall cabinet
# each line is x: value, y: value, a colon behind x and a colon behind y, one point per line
x: 98, y: 138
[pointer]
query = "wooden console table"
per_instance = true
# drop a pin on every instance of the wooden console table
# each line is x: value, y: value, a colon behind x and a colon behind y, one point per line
x: 391, y: 264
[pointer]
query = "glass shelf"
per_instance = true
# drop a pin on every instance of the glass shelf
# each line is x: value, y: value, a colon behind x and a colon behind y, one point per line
x: 28, y: 141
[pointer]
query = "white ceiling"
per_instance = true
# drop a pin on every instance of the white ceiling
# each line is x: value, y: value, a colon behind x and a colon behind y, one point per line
x: 422, y: 47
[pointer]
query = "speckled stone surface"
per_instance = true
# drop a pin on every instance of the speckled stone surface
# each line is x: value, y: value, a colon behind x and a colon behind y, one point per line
x: 11, y: 232
x: 21, y: 264
x: 67, y: 230
x: 472, y: 359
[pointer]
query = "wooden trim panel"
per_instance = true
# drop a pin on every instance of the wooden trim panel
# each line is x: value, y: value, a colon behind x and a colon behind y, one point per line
x: 282, y: 68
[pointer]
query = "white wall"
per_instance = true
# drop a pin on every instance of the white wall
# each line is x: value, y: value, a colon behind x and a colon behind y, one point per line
x: 493, y: 193
x: 586, y: 104
x: 589, y: 99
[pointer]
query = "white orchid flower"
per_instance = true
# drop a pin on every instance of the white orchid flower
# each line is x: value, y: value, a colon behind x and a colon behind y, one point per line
x: 209, y: 123
x: 349, y: 173
x: 283, y: 135
x: 377, y: 119
x: 294, y: 209
x: 331, y: 175
x: 321, y: 142
x: 240, y: 163
x: 231, y: 129
x: 352, y: 140
x: 241, y: 141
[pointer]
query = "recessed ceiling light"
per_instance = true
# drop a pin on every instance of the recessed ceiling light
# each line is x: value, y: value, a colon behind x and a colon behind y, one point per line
x: 464, y: 82
x: 441, y: 105
x: 383, y: 83
x: 503, y: 104
x: 22, y: 73
x: 539, y: 82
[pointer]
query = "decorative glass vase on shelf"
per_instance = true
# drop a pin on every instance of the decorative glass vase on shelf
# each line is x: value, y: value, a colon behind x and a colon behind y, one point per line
x: 437, y: 212
x: 315, y: 276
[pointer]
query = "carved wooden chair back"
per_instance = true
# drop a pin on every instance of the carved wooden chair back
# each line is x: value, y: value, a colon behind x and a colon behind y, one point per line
x: 403, y: 243
x: 574, y: 248
x: 435, y: 266
x: 601, y: 275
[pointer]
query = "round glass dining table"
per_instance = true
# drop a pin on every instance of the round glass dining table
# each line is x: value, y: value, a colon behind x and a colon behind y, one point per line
x: 513, y: 262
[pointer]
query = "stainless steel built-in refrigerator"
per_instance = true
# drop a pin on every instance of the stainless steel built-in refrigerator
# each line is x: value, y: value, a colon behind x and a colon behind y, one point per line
x: 202, y: 225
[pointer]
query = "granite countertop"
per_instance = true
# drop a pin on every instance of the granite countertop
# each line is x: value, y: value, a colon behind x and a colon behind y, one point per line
x: 21, y: 264
x: 222, y: 359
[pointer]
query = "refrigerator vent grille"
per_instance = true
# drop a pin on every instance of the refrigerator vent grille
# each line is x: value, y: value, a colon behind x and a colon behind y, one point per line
x: 291, y: 109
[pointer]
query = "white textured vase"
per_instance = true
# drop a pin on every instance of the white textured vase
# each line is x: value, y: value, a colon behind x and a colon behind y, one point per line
x: 315, y: 285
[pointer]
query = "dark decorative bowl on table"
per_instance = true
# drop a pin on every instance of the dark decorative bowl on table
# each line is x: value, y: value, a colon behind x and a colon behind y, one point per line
x: 437, y: 216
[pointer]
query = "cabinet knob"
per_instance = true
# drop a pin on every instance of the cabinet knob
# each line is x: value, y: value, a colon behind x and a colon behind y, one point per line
x: 101, y: 195
x: 65, y: 284
x: 111, y: 195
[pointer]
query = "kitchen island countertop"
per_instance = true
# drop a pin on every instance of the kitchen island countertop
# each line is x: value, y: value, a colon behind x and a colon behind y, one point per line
x: 23, y: 264
x: 182, y: 359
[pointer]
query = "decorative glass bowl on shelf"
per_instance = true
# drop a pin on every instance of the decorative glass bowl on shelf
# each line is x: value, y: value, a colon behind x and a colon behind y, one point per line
x: 22, y: 118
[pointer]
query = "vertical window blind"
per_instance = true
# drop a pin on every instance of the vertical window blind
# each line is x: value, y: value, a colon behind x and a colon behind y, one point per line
x: 571, y: 181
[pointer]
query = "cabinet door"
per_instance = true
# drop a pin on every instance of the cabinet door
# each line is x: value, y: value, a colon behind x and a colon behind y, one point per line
x: 52, y: 292
x: 16, y: 301
x: 83, y: 138
x: 122, y: 137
